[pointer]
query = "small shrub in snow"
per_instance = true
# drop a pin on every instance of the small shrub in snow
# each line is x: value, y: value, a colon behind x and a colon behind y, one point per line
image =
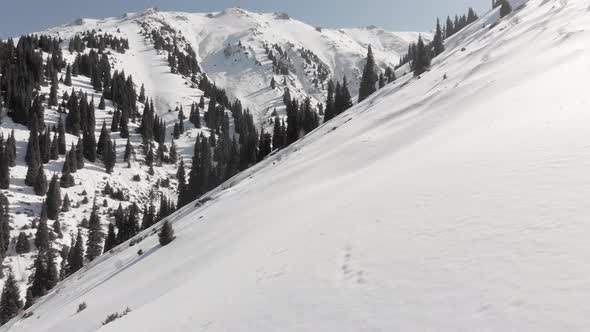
x: 140, y: 252
x: 136, y: 178
x: 116, y: 315
x: 81, y: 307
x: 85, y: 200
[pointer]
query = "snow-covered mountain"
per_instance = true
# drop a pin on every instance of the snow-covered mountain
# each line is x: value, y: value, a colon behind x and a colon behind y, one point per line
x: 231, y: 50
x: 456, y: 201
x: 230, y: 47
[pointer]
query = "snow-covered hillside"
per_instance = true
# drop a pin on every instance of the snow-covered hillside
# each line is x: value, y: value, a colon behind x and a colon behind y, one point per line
x: 453, y: 202
x: 230, y: 47
x: 340, y: 52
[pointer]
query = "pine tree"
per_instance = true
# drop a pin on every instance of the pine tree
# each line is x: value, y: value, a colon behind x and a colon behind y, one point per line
x: 66, y: 204
x: 4, y: 168
x: 102, y: 141
x: 166, y: 234
x: 68, y: 80
x: 421, y: 61
x: 111, y: 239
x: 23, y: 245
x: 57, y: 229
x: 173, y: 153
x: 330, y: 112
x: 54, y: 153
x: 66, y: 180
x: 128, y: 151
x: 54, y: 198
x: 390, y: 75
x: 80, y: 154
x: 110, y: 156
x: 506, y: 8
x: 42, y: 236
x: 76, y: 255
x: 11, y: 149
x: 437, y: 43
x: 52, y: 275
x: 181, y: 176
x: 39, y: 284
x: 10, y: 300
x: 101, y: 105
x: 40, y: 186
x: 277, y: 137
x: 369, y: 78
x: 61, y: 139
x: 95, y: 236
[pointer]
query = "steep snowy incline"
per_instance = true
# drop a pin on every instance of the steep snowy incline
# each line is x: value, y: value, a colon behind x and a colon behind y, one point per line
x: 457, y: 204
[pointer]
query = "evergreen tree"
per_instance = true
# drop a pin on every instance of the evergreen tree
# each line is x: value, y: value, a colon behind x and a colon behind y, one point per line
x: 40, y: 186
x: 66, y: 180
x: 369, y: 78
x: 95, y: 236
x: 68, y: 80
x: 42, y: 236
x: 390, y: 75
x: 110, y: 156
x: 66, y: 204
x: 505, y: 8
x: 4, y: 168
x: 101, y: 104
x: 80, y: 154
x: 57, y: 229
x: 330, y: 112
x: 128, y: 151
x: 277, y: 137
x: 102, y: 141
x: 11, y: 149
x: 421, y: 61
x: 437, y: 43
x: 166, y: 234
x: 54, y: 152
x: 76, y: 255
x: 23, y: 245
x: 182, y: 190
x: 54, y: 198
x: 39, y: 282
x: 111, y: 239
x: 52, y: 275
x: 10, y: 300
x: 61, y: 139
x: 173, y: 153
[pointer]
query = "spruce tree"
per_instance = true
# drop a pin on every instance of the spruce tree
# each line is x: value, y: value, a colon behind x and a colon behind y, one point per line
x: 11, y: 149
x: 66, y: 180
x: 40, y: 186
x: 4, y: 169
x: 23, y: 245
x: 66, y: 204
x: 68, y: 80
x: 329, y: 113
x: 76, y: 255
x: 10, y: 300
x: 166, y: 234
x: 505, y: 9
x: 80, y: 154
x: 54, y: 198
x: 95, y: 235
x: 437, y: 43
x: 369, y: 78
x: 54, y: 152
x: 111, y: 239
x: 101, y: 104
x: 42, y: 236
x: 39, y: 284
x: 61, y: 139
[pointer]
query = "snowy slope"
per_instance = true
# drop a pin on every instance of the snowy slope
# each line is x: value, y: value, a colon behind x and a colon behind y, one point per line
x: 150, y: 68
x: 244, y: 72
x: 436, y: 205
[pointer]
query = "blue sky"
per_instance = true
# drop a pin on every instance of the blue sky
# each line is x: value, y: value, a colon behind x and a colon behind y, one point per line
x: 23, y: 16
